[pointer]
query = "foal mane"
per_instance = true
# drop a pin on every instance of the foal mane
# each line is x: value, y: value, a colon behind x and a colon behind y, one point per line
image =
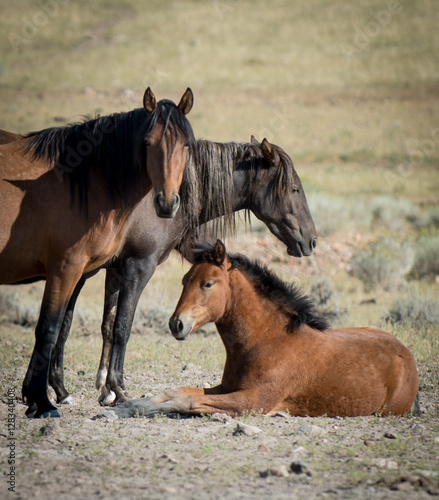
x: 298, y: 306
x: 112, y: 144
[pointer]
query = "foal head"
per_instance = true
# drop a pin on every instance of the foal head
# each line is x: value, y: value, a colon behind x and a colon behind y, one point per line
x: 205, y: 293
x: 167, y: 137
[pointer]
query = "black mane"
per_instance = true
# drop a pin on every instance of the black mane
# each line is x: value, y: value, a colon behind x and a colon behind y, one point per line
x: 210, y: 168
x: 299, y: 307
x: 112, y: 145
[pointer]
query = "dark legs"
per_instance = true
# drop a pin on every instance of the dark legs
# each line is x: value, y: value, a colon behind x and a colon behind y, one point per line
x: 56, y: 374
x: 134, y: 278
x: 112, y: 286
x: 57, y: 293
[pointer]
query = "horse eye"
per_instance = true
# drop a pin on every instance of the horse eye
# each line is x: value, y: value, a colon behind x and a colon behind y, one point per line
x: 208, y: 285
x: 295, y: 189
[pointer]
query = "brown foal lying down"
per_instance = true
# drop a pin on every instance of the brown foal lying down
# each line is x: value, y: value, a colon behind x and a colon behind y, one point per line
x: 280, y: 354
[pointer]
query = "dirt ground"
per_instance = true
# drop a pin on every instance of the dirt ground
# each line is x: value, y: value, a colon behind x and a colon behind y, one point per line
x: 83, y: 456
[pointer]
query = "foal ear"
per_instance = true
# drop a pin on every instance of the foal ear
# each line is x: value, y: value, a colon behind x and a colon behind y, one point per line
x: 149, y: 101
x: 186, y: 101
x: 270, y: 154
x: 218, y: 253
x: 253, y: 140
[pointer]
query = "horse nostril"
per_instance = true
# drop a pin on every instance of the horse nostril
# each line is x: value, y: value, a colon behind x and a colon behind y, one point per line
x: 159, y: 199
x: 313, y: 243
x: 177, y: 200
x: 176, y: 325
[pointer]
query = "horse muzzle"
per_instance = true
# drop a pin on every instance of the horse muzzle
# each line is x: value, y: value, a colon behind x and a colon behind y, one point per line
x: 166, y: 209
x: 180, y: 327
x: 300, y: 249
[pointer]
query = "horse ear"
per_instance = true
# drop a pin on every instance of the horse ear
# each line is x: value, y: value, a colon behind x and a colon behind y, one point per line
x: 219, y: 253
x: 270, y: 154
x: 254, y: 140
x: 186, y: 101
x: 149, y: 101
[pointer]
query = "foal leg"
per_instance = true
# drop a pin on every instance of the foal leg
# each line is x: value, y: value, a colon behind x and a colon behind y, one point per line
x: 135, y: 276
x: 56, y: 373
x: 193, y: 401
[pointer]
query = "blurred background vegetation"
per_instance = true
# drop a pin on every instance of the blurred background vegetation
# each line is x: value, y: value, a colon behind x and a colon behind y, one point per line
x: 349, y: 90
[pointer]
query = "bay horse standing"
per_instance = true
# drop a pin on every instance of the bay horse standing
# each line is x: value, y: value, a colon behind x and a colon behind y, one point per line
x: 220, y: 179
x: 280, y: 355
x: 63, y: 230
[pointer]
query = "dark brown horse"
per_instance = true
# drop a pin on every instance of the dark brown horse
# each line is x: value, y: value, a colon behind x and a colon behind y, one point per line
x: 280, y: 354
x: 229, y: 177
x: 67, y: 196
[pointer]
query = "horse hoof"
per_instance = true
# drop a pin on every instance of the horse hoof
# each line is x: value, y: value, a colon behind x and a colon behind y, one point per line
x: 68, y: 401
x: 108, y: 399
x: 53, y: 413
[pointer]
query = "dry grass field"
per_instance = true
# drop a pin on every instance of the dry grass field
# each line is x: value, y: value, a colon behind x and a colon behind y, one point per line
x: 351, y: 92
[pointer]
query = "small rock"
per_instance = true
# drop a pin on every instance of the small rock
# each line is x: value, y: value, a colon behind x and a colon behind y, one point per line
x: 298, y: 452
x: 389, y: 435
x: 368, y: 442
x: 221, y: 417
x: 404, y: 486
x: 263, y: 448
x: 299, y: 467
x: 170, y: 489
x: 311, y: 430
x: 280, y: 471
x: 247, y: 430
x: 169, y: 458
x: 385, y: 463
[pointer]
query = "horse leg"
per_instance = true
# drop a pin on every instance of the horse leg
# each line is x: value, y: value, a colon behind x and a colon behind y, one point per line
x: 135, y: 276
x: 112, y: 287
x: 56, y: 373
x: 58, y: 290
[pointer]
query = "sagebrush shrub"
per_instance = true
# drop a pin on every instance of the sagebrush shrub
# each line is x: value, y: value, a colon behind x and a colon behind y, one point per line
x: 426, y: 262
x: 383, y: 264
x: 414, y: 309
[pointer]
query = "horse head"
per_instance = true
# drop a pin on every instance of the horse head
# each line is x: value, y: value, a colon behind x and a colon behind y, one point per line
x: 167, y: 139
x: 285, y: 210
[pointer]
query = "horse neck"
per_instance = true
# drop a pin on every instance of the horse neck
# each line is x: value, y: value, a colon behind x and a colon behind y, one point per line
x: 247, y: 310
x: 232, y: 161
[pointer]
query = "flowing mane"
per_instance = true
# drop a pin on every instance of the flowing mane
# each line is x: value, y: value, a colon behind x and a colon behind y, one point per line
x: 299, y: 307
x: 209, y: 183
x: 112, y: 145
